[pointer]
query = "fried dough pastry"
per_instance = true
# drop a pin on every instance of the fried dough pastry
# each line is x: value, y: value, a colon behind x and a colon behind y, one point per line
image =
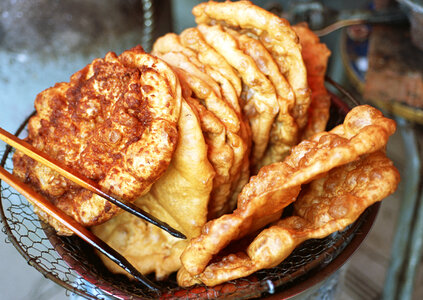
x: 215, y: 113
x: 192, y: 38
x: 179, y: 198
x: 364, y: 130
x: 171, y: 43
x: 217, y: 67
x: 261, y: 105
x: 327, y: 205
x: 283, y: 134
x: 203, y: 89
x: 228, y: 167
x: 114, y: 122
x: 200, y: 79
x: 275, y: 34
x: 220, y: 155
x: 184, y: 59
x: 315, y: 55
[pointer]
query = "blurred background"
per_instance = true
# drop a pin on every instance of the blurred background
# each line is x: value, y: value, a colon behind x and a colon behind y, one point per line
x: 378, y: 58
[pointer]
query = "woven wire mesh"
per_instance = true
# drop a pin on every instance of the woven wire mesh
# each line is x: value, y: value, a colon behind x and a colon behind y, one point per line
x: 73, y: 264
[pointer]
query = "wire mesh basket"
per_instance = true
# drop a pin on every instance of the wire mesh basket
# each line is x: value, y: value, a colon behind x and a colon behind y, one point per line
x: 72, y: 263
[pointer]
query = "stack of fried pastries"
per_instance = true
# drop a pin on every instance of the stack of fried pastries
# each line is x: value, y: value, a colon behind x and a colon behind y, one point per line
x: 181, y: 130
x: 252, y: 77
x: 346, y: 171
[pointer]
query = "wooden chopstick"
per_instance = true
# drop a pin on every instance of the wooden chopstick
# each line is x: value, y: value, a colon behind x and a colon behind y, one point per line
x: 84, y: 182
x: 75, y: 227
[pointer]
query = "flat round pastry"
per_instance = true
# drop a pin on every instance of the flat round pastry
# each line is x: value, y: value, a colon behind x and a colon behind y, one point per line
x: 315, y: 55
x: 172, y: 43
x: 115, y: 122
x: 179, y: 198
x: 206, y: 59
x: 284, y: 131
x: 220, y: 155
x: 214, y: 119
x: 192, y: 38
x: 189, y: 70
x: 261, y: 104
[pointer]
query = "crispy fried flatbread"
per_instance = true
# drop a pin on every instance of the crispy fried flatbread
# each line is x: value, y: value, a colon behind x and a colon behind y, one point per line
x: 114, y: 122
x: 276, y: 35
x: 328, y: 204
x: 284, y: 129
x: 171, y: 43
x: 227, y: 179
x: 229, y: 162
x: 365, y: 130
x: 203, y: 90
x: 214, y: 119
x: 193, y: 39
x: 184, y: 59
x: 220, y: 155
x: 179, y: 197
x: 261, y: 104
x: 315, y: 55
x: 218, y: 68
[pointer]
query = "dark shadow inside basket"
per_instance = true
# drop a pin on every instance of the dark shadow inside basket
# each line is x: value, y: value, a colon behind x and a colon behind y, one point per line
x: 309, y: 264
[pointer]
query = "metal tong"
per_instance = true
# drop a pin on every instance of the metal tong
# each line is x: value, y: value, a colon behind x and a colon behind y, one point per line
x: 66, y: 220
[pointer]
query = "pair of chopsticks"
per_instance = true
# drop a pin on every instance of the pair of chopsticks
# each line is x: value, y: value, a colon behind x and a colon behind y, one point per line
x: 66, y: 220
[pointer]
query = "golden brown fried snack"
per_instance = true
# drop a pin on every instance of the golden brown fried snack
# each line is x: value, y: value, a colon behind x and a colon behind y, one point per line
x: 171, y: 43
x: 255, y: 205
x: 261, y: 105
x: 204, y: 88
x: 214, y: 119
x: 283, y: 134
x: 179, y: 55
x: 193, y: 39
x: 315, y: 55
x: 228, y: 154
x: 328, y: 204
x: 179, y: 198
x: 365, y: 130
x: 217, y: 67
x: 189, y: 70
x: 114, y: 122
x: 276, y: 35
x: 220, y: 155
x: 186, y: 60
